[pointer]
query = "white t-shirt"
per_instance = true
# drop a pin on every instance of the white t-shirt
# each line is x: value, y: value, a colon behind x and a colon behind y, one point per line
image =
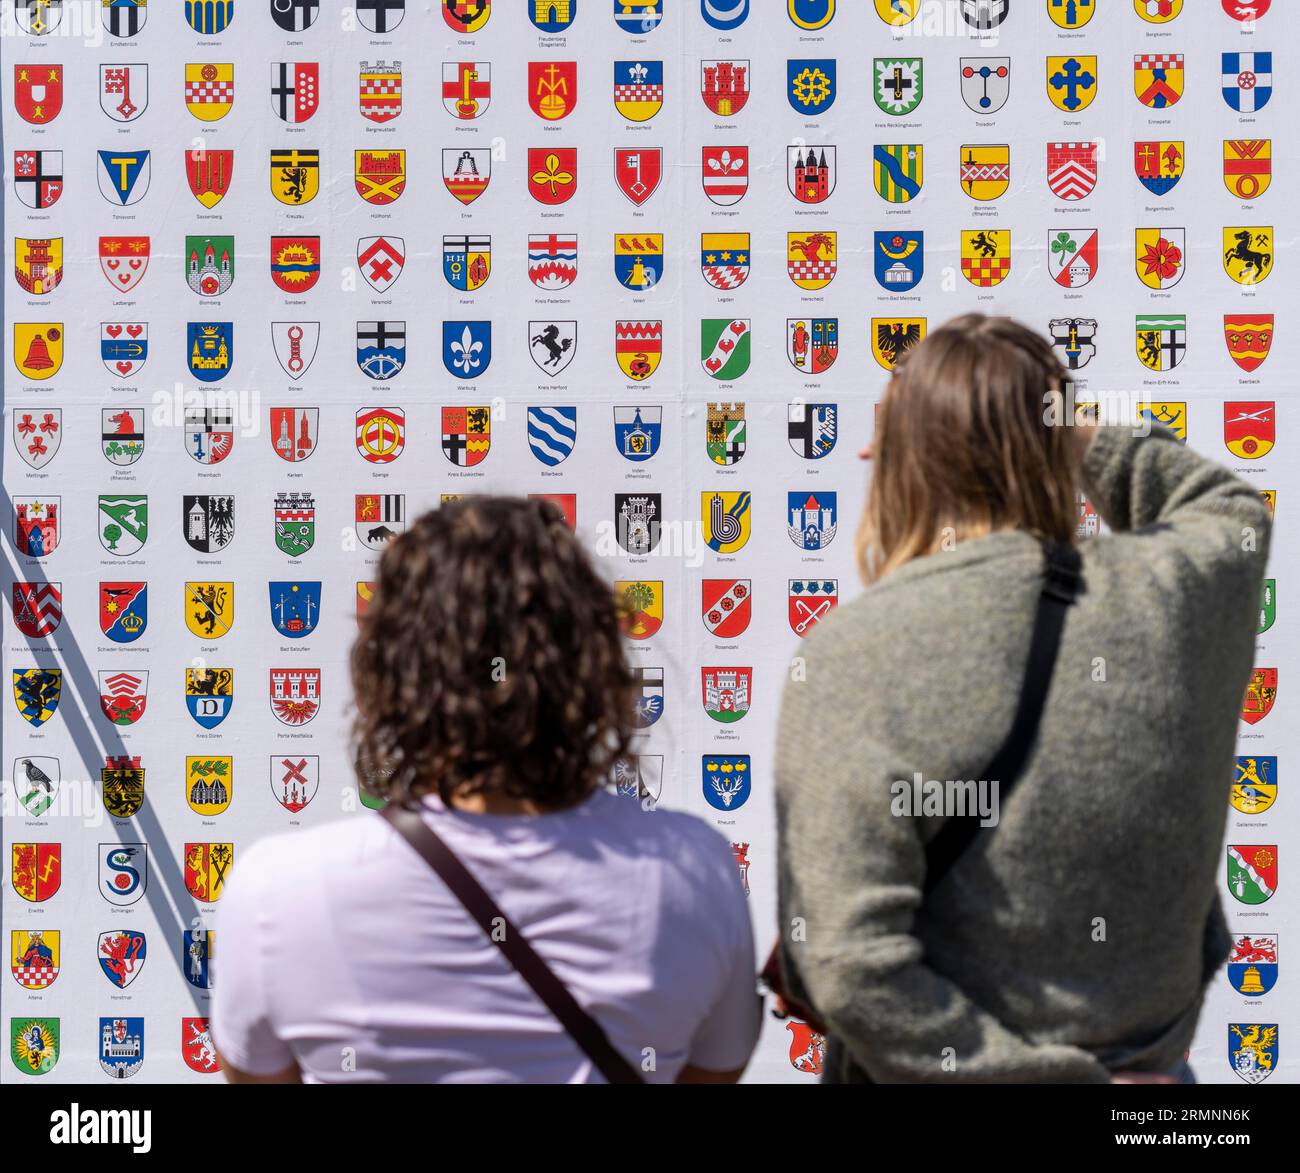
x: 339, y: 949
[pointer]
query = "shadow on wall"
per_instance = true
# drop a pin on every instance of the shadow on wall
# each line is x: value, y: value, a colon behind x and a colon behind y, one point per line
x: 95, y: 739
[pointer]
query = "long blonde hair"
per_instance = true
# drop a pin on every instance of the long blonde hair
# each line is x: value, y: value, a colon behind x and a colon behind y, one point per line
x: 971, y: 437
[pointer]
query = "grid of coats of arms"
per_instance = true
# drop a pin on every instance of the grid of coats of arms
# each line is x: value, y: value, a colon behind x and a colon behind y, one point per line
x: 302, y: 90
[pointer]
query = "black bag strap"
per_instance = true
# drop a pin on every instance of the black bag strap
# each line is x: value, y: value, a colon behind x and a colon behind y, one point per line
x: 582, y: 1028
x: 1060, y: 587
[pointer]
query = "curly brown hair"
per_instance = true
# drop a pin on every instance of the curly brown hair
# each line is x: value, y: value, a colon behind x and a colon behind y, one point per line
x: 490, y: 660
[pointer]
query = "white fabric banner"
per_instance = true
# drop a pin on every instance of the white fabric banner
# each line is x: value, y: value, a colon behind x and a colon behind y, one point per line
x: 286, y: 275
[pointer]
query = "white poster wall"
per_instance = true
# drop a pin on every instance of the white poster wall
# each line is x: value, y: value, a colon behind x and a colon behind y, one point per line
x: 285, y: 275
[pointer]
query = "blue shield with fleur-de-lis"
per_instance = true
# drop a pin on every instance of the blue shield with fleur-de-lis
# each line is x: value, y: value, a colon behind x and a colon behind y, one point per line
x: 466, y: 348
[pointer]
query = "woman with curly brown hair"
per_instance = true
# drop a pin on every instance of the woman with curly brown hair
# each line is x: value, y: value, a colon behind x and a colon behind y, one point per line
x: 493, y: 702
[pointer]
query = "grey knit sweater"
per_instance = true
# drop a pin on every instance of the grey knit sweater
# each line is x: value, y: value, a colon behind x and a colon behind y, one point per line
x: 1072, y: 939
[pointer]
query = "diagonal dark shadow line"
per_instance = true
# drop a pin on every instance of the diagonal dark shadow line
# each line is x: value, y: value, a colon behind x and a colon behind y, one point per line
x: 165, y: 892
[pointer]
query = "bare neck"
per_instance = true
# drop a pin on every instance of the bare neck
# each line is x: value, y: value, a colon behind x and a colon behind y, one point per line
x: 495, y: 804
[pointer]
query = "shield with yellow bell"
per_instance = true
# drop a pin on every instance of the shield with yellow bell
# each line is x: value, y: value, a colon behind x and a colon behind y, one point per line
x: 1248, y: 253
x: 209, y: 90
x: 639, y: 259
x: 38, y: 349
x: 209, y: 608
x: 892, y: 337
x: 985, y: 170
x: 986, y: 256
x: 38, y: 263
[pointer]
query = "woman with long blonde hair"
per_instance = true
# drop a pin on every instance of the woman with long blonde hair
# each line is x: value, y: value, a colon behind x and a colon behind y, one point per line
x: 1003, y: 777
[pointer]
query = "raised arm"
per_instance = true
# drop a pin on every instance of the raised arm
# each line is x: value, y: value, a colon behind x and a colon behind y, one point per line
x: 1137, y: 481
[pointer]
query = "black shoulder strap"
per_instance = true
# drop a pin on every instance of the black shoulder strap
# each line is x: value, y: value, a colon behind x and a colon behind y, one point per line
x: 582, y: 1028
x: 1060, y: 588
